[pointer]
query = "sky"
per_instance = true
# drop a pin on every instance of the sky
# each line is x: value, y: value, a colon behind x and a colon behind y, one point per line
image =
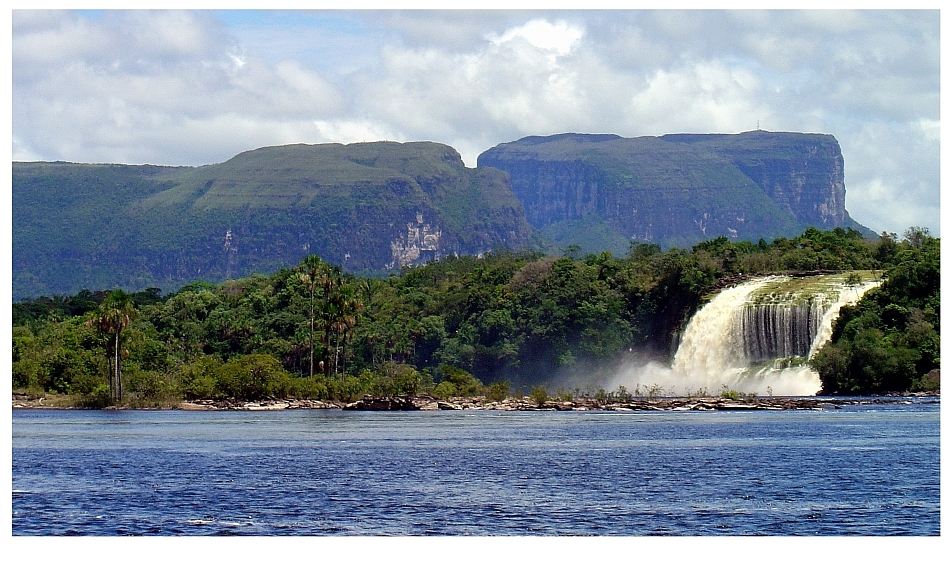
x: 176, y: 87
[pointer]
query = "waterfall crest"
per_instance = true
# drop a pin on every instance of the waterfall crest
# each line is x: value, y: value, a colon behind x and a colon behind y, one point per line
x: 757, y: 337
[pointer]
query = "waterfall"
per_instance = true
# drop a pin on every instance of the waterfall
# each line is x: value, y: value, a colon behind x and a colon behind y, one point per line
x: 756, y: 337
x: 779, y: 330
x: 846, y: 297
x: 709, y: 348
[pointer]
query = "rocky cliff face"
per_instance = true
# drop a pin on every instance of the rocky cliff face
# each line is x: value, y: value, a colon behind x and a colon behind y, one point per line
x: 384, y: 205
x: 677, y: 189
x: 802, y: 173
x: 365, y: 207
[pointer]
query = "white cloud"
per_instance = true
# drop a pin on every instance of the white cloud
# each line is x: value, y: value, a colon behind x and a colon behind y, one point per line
x: 22, y: 152
x: 702, y: 97
x: 558, y: 37
x: 43, y: 38
x: 892, y: 174
x: 198, y: 87
x: 100, y: 90
x: 347, y: 131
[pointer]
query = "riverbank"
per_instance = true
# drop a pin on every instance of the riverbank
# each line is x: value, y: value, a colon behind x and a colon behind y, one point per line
x: 527, y: 404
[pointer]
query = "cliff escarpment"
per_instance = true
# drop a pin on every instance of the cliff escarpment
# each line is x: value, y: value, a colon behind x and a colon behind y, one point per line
x: 381, y: 206
x: 677, y: 189
x: 365, y: 207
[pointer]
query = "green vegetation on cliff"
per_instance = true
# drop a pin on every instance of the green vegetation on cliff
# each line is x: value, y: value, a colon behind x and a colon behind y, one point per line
x: 373, y: 208
x: 102, y: 226
x: 457, y: 326
x: 676, y: 190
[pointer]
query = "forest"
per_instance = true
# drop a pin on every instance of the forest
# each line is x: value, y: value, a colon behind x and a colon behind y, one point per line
x: 503, y: 323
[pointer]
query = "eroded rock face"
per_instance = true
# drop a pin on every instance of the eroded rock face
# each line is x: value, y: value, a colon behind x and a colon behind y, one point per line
x: 421, y: 243
x: 678, y: 189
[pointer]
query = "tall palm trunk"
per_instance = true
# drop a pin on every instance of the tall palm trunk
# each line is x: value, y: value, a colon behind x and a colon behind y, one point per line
x: 336, y: 356
x: 111, y: 364
x: 344, y: 354
x: 311, y: 332
x: 118, y: 376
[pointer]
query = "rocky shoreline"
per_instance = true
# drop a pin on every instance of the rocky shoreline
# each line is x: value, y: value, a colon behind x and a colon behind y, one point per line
x: 527, y: 404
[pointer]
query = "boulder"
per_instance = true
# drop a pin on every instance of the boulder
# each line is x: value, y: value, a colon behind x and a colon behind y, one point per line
x: 383, y: 403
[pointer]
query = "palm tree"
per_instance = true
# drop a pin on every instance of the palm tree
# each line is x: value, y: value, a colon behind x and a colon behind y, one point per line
x: 312, y: 271
x: 348, y: 304
x: 113, y: 316
x: 330, y: 280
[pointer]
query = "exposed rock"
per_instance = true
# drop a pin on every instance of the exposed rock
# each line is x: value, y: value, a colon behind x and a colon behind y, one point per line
x: 737, y: 406
x: 418, y: 245
x: 677, y: 189
x: 558, y: 405
x: 383, y: 403
x: 266, y: 406
x: 526, y: 404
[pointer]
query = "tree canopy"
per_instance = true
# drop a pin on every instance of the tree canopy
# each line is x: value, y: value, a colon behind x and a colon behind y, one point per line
x: 461, y: 325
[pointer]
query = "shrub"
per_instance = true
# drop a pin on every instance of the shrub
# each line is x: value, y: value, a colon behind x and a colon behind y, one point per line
x: 396, y: 379
x: 251, y: 377
x: 623, y: 394
x: 539, y: 395
x: 303, y: 387
x: 466, y: 384
x: 350, y: 388
x: 444, y: 390
x: 498, y: 391
x: 152, y: 385
x: 929, y: 382
x: 25, y: 373
x: 86, y: 384
x: 100, y: 397
x: 197, y: 378
x: 731, y: 394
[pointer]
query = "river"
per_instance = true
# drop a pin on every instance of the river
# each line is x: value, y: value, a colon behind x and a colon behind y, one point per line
x: 855, y: 470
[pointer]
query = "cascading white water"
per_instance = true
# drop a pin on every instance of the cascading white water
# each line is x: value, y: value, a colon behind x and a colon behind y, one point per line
x: 846, y: 296
x: 752, y: 339
x: 710, y: 353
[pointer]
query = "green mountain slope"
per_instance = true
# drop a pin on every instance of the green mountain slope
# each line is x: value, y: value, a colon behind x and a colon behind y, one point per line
x: 380, y: 206
x: 365, y: 207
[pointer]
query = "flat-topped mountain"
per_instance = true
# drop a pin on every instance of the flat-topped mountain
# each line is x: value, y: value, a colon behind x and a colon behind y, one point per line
x: 365, y: 207
x: 677, y: 189
x: 373, y: 207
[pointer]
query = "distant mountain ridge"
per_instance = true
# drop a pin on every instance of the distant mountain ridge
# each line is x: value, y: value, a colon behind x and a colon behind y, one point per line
x: 676, y: 189
x: 378, y: 206
x: 366, y: 207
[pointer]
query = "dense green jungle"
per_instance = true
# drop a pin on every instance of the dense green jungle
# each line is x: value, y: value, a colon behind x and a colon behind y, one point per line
x: 502, y: 323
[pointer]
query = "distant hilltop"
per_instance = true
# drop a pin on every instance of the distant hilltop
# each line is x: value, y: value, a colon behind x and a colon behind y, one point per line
x: 678, y: 189
x: 380, y: 206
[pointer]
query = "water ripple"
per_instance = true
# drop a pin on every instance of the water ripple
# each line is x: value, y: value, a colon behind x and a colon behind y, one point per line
x: 845, y: 472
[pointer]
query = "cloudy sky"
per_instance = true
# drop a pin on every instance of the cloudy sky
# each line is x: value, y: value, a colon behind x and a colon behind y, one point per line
x: 197, y: 87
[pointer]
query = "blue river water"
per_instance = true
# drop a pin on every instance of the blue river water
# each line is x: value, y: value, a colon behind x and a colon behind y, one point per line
x: 857, y: 470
